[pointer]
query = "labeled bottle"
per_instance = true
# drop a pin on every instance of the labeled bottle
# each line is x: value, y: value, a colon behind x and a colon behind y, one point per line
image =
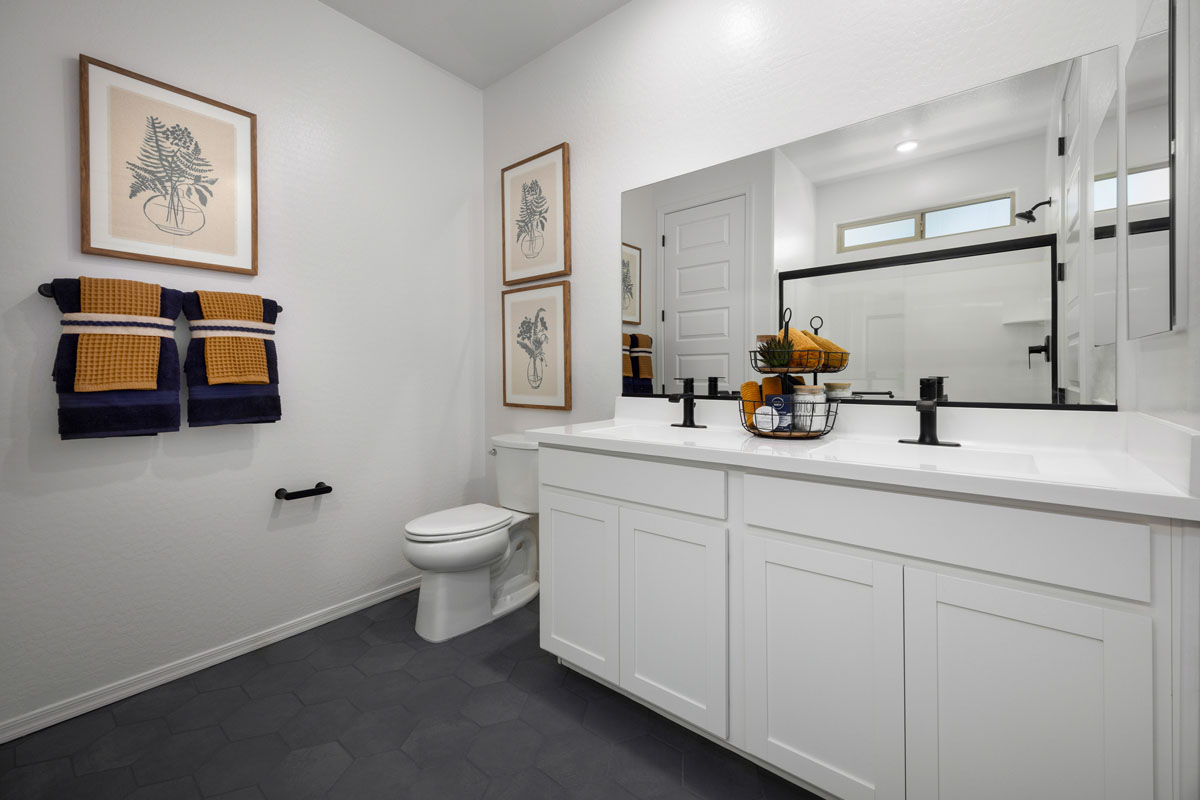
x: 809, y: 409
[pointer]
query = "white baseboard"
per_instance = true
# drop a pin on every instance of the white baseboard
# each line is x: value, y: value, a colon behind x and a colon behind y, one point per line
x: 72, y: 707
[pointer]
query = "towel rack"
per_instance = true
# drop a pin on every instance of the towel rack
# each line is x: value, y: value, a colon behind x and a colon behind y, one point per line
x: 46, y: 291
x: 320, y: 488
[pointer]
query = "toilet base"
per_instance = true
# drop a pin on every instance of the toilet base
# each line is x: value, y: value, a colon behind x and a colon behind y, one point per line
x: 452, y: 603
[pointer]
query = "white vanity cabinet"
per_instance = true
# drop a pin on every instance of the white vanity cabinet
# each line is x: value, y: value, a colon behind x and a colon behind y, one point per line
x: 1013, y: 693
x: 824, y: 665
x: 636, y: 597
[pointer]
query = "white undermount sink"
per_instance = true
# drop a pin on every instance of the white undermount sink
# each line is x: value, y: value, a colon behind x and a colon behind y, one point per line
x: 943, y: 459
x: 668, y: 434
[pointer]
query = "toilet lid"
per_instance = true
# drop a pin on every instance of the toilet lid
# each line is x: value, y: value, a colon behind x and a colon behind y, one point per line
x: 474, y: 519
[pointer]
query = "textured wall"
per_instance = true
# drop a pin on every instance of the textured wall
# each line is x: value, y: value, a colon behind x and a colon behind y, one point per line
x: 119, y: 556
x: 664, y: 87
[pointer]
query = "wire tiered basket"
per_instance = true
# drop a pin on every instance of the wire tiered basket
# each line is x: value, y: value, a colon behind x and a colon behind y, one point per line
x: 804, y: 420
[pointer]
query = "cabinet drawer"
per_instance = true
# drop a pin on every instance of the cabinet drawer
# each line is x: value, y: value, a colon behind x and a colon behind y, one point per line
x: 1095, y: 555
x: 694, y: 490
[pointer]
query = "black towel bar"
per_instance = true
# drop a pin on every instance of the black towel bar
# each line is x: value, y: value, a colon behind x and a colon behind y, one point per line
x: 45, y: 291
x: 320, y: 488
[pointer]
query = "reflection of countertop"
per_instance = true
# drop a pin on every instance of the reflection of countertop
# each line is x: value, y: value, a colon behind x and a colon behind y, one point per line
x: 1071, y: 458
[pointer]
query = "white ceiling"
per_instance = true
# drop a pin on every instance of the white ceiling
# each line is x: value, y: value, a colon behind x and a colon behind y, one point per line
x: 480, y: 41
x: 1007, y: 110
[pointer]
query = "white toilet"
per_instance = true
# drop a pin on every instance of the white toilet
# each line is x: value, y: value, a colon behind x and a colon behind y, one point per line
x: 479, y: 562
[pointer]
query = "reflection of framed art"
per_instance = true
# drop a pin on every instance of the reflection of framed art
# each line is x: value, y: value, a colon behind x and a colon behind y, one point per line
x: 631, y: 284
x: 537, y: 346
x: 536, y: 209
x: 165, y: 175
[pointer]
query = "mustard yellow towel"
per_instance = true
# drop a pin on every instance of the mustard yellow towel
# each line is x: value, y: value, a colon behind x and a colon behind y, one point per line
x: 108, y: 361
x: 835, y: 357
x: 234, y: 359
x: 806, y: 354
x: 751, y: 400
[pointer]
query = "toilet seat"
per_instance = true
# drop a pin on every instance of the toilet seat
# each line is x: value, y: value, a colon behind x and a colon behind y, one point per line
x: 463, y: 522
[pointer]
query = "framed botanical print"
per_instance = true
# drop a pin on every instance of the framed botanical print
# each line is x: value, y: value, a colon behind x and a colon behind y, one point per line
x: 631, y: 284
x: 165, y: 174
x: 537, y: 346
x: 536, y: 209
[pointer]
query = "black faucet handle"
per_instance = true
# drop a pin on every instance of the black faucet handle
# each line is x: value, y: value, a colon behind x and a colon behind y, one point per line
x: 689, y: 385
x: 933, y: 388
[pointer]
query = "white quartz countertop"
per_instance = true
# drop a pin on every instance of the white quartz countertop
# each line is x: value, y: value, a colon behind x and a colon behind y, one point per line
x: 1061, y: 471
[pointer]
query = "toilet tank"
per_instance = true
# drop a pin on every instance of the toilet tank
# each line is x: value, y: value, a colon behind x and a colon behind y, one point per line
x: 516, y: 472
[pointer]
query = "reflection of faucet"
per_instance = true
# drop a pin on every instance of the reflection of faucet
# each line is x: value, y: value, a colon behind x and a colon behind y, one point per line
x: 688, y: 396
x: 932, y: 393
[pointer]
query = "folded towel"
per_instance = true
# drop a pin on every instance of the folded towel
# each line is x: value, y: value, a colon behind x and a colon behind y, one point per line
x: 751, y: 401
x: 637, y: 363
x: 806, y: 354
x: 231, y: 365
x: 124, y: 381
x: 836, y: 358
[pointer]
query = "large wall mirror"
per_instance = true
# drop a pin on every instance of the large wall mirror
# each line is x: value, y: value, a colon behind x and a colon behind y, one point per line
x: 972, y: 237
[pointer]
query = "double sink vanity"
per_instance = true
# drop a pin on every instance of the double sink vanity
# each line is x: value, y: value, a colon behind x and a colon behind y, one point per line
x: 878, y: 620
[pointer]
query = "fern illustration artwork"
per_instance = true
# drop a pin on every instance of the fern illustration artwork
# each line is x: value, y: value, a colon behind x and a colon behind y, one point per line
x: 626, y: 284
x: 172, y: 167
x: 532, y: 336
x: 531, y: 219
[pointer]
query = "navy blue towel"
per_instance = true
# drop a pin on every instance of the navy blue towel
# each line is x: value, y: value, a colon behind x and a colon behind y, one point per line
x: 122, y: 412
x: 229, y: 403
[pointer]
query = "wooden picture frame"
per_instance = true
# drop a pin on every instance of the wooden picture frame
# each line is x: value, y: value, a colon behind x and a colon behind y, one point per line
x: 631, y: 284
x: 166, y: 175
x: 536, y: 346
x: 535, y: 211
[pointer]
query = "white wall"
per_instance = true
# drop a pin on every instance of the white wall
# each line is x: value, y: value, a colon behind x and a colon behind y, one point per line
x: 119, y: 556
x: 795, y: 216
x: 663, y: 87
x: 638, y: 228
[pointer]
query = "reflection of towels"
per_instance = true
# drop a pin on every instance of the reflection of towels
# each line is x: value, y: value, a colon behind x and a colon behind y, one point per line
x: 637, y: 363
x: 232, y: 370
x: 836, y: 358
x: 125, y: 380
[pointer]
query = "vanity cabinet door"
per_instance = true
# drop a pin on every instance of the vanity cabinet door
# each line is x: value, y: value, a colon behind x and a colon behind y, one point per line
x: 674, y: 644
x: 1016, y: 694
x: 825, y: 667
x: 579, y: 608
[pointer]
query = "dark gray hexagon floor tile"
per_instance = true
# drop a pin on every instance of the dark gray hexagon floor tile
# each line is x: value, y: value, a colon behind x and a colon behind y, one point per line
x: 249, y: 793
x: 481, y: 641
x: 8, y: 759
x: 306, y: 773
x: 64, y: 739
x: 554, y: 710
x: 486, y: 669
x: 292, y: 648
x: 437, y: 696
x: 330, y: 684
x: 345, y: 627
x: 207, y: 709
x: 674, y: 734
x: 112, y: 784
x: 584, y: 686
x: 715, y: 773
x: 516, y: 624
x: 239, y: 765
x: 499, y: 702
x: 120, y: 747
x: 153, y: 703
x: 399, y: 606
x: 538, y: 674
x: 258, y: 717
x: 381, y: 691
x: 505, y: 748
x: 324, y: 722
x: 526, y: 646
x: 575, y: 758
x: 387, y: 631
x: 279, y: 678
x: 646, y: 766
x: 616, y: 718
x: 384, y: 658
x: 177, y: 755
x: 233, y: 672
x: 449, y: 778
x: 606, y: 790
x: 436, y: 738
x: 178, y: 789
x: 37, y: 781
x: 338, y: 653
x: 384, y: 776
x: 777, y: 788
x: 378, y: 731
x: 436, y: 662
x: 528, y: 784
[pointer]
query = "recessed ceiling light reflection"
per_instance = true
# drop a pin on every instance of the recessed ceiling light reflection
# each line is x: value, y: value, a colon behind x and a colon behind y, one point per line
x: 907, y: 146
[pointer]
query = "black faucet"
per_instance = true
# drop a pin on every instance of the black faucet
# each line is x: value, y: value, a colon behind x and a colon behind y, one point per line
x: 932, y: 393
x: 688, y: 396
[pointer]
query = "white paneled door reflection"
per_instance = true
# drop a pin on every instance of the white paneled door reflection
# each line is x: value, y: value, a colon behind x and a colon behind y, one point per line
x: 704, y: 294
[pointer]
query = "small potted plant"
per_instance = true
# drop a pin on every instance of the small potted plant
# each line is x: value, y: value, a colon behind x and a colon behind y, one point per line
x: 774, y: 353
